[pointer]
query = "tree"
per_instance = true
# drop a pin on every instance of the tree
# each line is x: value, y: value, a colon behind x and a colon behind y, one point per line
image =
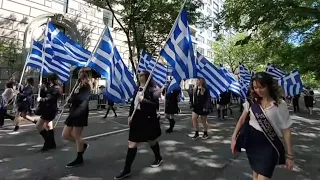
x: 288, y: 29
x: 148, y: 23
x: 252, y: 54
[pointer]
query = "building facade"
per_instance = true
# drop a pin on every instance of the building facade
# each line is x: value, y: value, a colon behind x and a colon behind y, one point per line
x: 24, y: 20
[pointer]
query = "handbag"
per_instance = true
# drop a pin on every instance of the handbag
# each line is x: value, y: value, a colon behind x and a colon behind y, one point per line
x: 243, y: 134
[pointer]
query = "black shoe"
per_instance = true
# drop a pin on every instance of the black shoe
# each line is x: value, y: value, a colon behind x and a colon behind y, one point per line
x: 16, y: 128
x: 169, y: 130
x: 123, y: 175
x: 75, y: 163
x: 157, y: 163
x: 196, y: 136
x: 205, y: 136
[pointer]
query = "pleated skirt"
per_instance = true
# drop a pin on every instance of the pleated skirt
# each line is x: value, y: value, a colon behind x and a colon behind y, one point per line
x: 262, y: 156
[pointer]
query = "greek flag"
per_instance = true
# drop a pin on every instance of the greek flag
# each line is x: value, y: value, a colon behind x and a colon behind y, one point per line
x: 107, y: 61
x: 234, y: 86
x: 178, y: 52
x: 244, y: 81
x: 66, y: 50
x: 148, y: 63
x: 275, y: 72
x: 216, y: 79
x: 291, y: 83
x: 51, y: 64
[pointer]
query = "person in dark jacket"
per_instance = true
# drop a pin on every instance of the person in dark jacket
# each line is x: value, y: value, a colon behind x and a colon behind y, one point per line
x: 24, y: 101
x: 48, y: 109
x: 171, y: 105
x: 144, y: 124
x: 222, y: 104
x: 110, y: 107
x: 201, y: 106
x: 78, y: 115
x: 295, y: 103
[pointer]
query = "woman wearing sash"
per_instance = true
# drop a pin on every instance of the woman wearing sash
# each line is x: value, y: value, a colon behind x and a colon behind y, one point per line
x: 269, y: 122
x: 201, y: 105
x: 144, y: 125
x: 78, y: 115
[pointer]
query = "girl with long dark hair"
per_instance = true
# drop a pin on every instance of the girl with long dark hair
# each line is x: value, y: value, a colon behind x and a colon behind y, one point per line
x: 144, y: 125
x: 269, y: 122
x: 24, y: 101
x: 201, y: 106
x: 48, y: 109
x: 78, y: 115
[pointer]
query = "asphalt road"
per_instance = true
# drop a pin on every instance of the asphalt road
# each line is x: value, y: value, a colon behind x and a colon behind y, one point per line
x: 184, y: 158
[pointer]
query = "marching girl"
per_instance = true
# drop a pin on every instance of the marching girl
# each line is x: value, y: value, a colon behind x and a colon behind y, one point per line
x: 24, y: 101
x: 145, y: 125
x: 48, y: 108
x: 269, y: 122
x: 201, y: 106
x: 7, y: 100
x: 171, y: 106
x: 78, y: 115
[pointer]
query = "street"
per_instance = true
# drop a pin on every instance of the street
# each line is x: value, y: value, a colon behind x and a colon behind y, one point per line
x: 184, y: 158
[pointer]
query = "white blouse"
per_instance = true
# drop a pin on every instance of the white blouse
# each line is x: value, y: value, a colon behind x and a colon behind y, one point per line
x: 7, y: 95
x: 278, y: 116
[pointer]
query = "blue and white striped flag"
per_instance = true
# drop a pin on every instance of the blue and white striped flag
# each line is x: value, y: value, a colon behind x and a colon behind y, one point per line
x: 178, y: 52
x: 275, y: 72
x: 235, y: 86
x: 65, y: 49
x: 291, y: 83
x: 51, y: 64
x: 107, y: 61
x: 244, y: 81
x: 216, y: 79
x: 148, y: 63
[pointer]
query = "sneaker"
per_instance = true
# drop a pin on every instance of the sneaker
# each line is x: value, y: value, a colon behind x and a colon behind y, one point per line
x: 123, y: 175
x: 205, y: 136
x: 156, y: 163
x: 196, y: 136
x: 75, y: 163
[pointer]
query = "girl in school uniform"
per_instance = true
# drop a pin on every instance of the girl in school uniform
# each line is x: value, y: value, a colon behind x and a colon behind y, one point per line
x: 201, y: 106
x: 78, y: 115
x: 269, y: 122
x: 7, y: 100
x: 144, y: 125
x: 24, y: 101
x: 48, y: 109
x: 171, y: 106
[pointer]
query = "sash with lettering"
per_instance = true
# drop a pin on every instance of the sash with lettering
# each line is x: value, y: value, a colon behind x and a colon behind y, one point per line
x: 269, y: 132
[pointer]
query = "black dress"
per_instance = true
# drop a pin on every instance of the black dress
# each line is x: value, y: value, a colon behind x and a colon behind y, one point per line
x: 24, y: 99
x: 79, y: 110
x: 48, y: 106
x: 201, y: 102
x: 145, y: 125
x: 172, y: 101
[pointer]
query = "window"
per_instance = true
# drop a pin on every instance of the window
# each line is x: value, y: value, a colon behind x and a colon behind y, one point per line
x: 201, y: 50
x: 200, y: 39
x: 107, y: 18
x: 209, y: 32
x: 209, y: 11
x: 209, y: 54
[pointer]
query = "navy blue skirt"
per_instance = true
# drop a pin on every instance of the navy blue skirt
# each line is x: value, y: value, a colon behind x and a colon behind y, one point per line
x: 262, y: 156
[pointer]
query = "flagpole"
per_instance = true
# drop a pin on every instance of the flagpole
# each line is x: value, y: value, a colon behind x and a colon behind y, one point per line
x: 158, y: 58
x: 77, y: 82
x: 43, y: 56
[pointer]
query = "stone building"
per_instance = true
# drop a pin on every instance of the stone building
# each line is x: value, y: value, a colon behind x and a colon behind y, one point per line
x: 24, y: 20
